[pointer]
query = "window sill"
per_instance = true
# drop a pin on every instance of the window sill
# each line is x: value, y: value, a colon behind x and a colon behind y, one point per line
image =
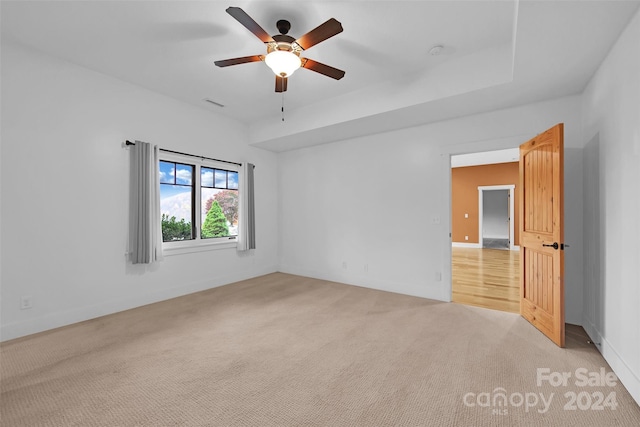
x: 178, y: 248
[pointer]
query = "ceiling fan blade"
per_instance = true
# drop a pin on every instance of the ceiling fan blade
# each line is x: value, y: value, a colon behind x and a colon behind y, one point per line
x: 242, y: 60
x: 242, y: 17
x: 321, y: 68
x: 320, y: 33
x: 281, y: 84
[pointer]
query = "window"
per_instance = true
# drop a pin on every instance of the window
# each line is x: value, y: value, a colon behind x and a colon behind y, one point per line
x: 198, y: 201
x: 219, y: 201
x: 177, y: 201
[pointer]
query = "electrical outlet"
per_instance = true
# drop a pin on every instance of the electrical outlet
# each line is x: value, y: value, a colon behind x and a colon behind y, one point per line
x: 438, y: 276
x: 344, y: 264
x: 26, y: 302
x: 466, y: 237
x: 366, y: 268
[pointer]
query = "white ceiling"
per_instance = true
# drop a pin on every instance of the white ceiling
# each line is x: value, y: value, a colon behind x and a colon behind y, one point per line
x: 497, y: 54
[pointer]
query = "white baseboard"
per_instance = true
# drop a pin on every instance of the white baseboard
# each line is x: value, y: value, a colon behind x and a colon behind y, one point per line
x: 58, y: 319
x: 465, y: 245
x: 430, y: 291
x: 477, y: 246
x: 625, y: 374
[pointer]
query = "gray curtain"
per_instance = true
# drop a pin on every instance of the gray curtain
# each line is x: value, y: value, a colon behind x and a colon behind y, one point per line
x: 247, y: 232
x: 145, y: 228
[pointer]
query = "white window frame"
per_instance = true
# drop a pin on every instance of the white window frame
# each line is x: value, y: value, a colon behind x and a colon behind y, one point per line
x: 197, y: 244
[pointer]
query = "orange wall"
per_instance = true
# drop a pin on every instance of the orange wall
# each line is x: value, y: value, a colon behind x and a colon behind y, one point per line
x: 464, y: 197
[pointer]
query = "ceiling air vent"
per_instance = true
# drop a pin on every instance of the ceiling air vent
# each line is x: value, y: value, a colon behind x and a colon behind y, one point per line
x: 217, y: 104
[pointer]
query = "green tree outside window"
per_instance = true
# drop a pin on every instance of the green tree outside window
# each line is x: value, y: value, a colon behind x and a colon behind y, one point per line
x: 215, y: 223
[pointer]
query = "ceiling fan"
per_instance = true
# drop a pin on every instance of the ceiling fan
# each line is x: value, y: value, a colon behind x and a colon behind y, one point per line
x: 283, y: 51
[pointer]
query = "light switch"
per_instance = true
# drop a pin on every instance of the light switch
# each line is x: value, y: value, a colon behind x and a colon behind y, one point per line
x: 466, y: 215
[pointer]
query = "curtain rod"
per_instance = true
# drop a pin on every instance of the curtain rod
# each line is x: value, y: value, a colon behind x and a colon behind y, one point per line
x: 190, y: 155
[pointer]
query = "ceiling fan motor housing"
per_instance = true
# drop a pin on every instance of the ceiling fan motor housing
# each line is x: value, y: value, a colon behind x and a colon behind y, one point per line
x: 283, y: 26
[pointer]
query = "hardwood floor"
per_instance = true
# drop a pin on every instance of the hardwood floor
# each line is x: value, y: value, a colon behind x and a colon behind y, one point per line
x: 486, y: 278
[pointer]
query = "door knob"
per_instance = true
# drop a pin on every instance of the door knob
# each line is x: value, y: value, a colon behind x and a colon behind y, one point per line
x: 554, y: 246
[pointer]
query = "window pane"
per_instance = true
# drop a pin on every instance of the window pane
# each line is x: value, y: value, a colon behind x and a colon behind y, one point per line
x: 176, y: 201
x: 184, y: 174
x: 219, y: 213
x: 221, y: 179
x: 233, y: 180
x: 206, y: 177
x: 167, y: 174
x: 176, y: 207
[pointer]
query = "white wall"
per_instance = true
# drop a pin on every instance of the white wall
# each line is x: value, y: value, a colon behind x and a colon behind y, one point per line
x: 65, y: 193
x: 381, y: 204
x: 495, y: 214
x: 611, y: 132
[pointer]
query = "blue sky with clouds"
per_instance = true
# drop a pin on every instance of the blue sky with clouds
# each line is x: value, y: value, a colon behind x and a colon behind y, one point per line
x: 178, y: 178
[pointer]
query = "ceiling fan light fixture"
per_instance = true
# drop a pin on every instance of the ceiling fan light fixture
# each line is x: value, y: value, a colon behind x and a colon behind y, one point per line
x: 283, y: 63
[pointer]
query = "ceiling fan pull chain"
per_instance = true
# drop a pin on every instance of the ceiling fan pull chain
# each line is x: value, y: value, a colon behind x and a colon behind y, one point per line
x: 282, y: 108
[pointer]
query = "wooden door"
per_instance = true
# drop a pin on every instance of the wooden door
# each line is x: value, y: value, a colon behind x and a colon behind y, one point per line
x: 542, y: 234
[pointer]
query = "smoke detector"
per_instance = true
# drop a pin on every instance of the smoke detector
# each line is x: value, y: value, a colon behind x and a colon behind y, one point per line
x: 436, y: 50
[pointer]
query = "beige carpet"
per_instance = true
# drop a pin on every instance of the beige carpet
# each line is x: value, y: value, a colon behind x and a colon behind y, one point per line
x: 284, y: 350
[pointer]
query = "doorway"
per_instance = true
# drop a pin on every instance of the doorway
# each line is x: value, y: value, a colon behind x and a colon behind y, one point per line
x: 495, y: 213
x: 484, y: 253
x: 540, y: 272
